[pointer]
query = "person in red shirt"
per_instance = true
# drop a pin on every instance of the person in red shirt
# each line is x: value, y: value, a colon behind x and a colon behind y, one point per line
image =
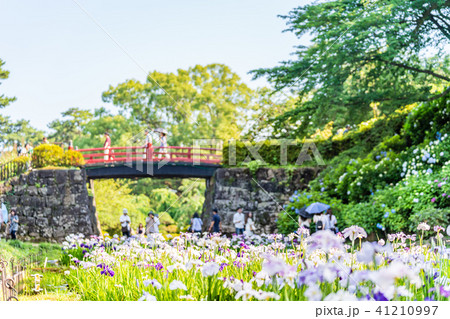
x: 107, y: 146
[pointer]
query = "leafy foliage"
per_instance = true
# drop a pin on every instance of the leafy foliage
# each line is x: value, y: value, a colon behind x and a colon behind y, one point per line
x: 18, y: 132
x: 111, y: 198
x: 389, y: 188
x: 201, y: 102
x: 366, y: 58
x: 47, y: 155
x: 72, y: 158
x: 4, y: 74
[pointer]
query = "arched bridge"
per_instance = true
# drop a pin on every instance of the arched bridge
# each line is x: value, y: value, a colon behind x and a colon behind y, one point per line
x: 148, y: 161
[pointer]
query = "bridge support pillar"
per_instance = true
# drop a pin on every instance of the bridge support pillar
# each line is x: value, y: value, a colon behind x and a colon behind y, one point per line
x: 96, y: 221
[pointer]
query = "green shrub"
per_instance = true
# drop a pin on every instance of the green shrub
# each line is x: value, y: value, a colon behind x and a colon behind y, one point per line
x: 253, y: 166
x: 426, y: 120
x: 72, y: 158
x: 47, y: 155
x: 366, y: 215
x: 432, y: 216
x: 23, y: 160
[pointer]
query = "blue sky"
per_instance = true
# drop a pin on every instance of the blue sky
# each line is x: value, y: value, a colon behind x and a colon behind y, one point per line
x: 59, y: 58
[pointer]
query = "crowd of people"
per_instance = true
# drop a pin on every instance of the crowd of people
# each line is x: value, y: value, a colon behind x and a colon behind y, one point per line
x: 243, y: 223
x: 162, y: 150
x: 26, y: 149
x: 323, y: 221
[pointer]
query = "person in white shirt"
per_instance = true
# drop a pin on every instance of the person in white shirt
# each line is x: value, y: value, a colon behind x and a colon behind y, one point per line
x: 239, y: 222
x: 156, y: 223
x: 150, y: 224
x: 249, y: 225
x: 196, y: 224
x: 331, y: 221
x: 321, y: 221
x: 304, y: 222
x: 125, y: 222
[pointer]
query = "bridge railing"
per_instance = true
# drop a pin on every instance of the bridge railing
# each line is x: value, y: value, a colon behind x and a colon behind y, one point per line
x: 93, y: 156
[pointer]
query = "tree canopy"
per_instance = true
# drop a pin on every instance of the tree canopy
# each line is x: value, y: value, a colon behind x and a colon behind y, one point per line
x: 365, y: 58
x: 4, y: 74
x: 203, y: 102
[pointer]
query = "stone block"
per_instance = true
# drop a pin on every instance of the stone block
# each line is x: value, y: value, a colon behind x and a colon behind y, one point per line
x: 61, y: 176
x: 46, y: 173
x: 76, y: 176
x: 42, y: 191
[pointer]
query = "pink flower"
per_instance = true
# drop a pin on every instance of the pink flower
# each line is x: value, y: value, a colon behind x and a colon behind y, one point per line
x: 433, y: 199
x: 444, y: 194
x: 438, y: 228
x: 354, y: 232
x: 324, y: 240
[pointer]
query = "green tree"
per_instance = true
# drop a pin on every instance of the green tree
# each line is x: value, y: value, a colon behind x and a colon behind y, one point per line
x: 180, y: 204
x: 18, y: 132
x: 4, y: 74
x: 71, y: 125
x: 365, y: 57
x: 111, y: 197
x: 202, y: 102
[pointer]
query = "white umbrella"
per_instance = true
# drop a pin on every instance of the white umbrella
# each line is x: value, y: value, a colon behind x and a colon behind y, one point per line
x: 160, y: 130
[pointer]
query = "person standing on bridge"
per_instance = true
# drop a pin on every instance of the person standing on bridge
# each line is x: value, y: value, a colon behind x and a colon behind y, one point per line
x: 107, y: 146
x: 125, y: 222
x: 215, y: 224
x: 148, y: 143
x: 239, y: 222
x: 163, y: 145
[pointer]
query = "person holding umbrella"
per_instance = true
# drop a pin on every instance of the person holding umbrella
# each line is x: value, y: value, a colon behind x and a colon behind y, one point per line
x: 163, y: 139
x: 304, y: 218
x: 319, y: 219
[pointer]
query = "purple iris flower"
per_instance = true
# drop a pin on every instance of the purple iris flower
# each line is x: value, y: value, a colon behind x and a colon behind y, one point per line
x: 378, y: 296
x: 159, y: 266
x: 444, y: 292
x: 106, y: 270
x: 222, y: 266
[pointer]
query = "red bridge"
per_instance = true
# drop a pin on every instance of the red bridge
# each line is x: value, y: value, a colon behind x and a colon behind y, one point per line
x: 140, y: 161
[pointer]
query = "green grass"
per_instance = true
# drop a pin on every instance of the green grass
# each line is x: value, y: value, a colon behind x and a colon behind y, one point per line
x: 52, y: 283
x: 18, y: 250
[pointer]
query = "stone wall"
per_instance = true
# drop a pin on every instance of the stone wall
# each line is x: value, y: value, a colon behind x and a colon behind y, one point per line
x: 51, y: 204
x: 263, y: 194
